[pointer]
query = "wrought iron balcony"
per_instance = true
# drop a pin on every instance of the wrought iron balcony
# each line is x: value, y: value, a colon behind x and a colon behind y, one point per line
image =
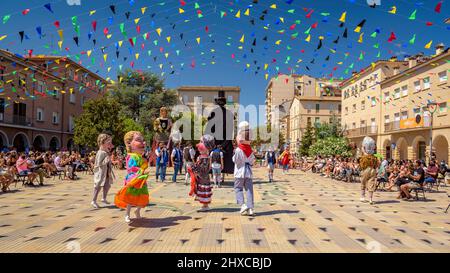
x: 361, y: 131
x: 15, y: 120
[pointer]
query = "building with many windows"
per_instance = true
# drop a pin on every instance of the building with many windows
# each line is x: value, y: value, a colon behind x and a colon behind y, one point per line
x: 362, y: 99
x: 314, y: 108
x: 206, y: 95
x: 412, y: 101
x: 398, y: 105
x: 40, y: 98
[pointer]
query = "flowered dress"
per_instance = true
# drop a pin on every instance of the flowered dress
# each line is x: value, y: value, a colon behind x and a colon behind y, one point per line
x: 200, y: 183
x: 135, y: 190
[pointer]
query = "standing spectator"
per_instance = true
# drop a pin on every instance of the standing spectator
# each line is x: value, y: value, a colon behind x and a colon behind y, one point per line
x: 270, y: 159
x: 216, y: 162
x: 162, y: 159
x: 177, y: 159
x: 189, y: 158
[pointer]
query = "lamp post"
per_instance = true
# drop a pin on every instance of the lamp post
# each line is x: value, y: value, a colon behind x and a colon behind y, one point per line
x: 432, y: 107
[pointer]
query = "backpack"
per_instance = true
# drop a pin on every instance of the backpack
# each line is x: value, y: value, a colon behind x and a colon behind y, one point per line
x: 215, y: 156
x: 186, y: 154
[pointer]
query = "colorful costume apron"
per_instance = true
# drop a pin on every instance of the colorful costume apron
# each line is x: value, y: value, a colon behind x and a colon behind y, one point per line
x: 135, y: 191
x: 200, y: 183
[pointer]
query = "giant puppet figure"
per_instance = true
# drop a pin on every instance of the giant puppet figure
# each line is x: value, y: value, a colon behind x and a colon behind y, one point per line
x: 368, y: 163
x: 221, y: 125
x: 162, y: 127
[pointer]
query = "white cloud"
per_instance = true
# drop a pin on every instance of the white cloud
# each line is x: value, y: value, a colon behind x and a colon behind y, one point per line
x: 74, y: 2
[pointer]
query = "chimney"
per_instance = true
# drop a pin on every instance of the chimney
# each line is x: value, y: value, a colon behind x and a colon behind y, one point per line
x: 419, y: 58
x: 396, y: 70
x: 412, y: 61
x: 440, y: 49
x: 354, y: 73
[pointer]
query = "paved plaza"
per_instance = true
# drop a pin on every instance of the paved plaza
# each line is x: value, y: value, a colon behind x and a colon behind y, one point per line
x: 298, y: 213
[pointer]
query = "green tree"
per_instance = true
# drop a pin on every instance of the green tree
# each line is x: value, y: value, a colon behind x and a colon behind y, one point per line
x: 131, y: 125
x: 307, y: 140
x: 99, y: 115
x: 141, y: 95
x: 193, y: 120
x: 326, y: 130
x: 258, y: 140
x: 331, y: 146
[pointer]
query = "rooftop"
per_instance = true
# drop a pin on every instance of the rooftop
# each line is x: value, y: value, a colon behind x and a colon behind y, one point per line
x: 364, y: 70
x: 406, y: 72
x: 28, y: 61
x: 65, y: 59
x: 209, y: 88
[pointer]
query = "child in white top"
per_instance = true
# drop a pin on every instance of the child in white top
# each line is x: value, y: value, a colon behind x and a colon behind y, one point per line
x: 243, y: 159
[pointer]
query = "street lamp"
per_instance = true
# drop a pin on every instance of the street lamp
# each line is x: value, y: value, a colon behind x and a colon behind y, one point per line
x: 432, y: 107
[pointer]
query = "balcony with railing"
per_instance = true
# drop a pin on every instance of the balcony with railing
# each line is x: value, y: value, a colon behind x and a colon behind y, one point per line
x: 15, y: 120
x: 398, y: 126
x: 361, y: 131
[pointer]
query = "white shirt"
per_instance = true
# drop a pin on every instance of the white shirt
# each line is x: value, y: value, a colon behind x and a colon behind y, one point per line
x: 241, y: 170
x: 58, y: 163
x: 216, y: 165
x: 192, y: 153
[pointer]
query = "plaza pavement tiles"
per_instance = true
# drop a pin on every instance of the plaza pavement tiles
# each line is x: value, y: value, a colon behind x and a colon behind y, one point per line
x: 299, y: 212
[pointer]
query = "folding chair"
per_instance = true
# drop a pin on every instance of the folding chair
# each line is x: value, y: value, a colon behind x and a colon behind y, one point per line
x: 381, y: 185
x: 60, y: 173
x: 21, y: 178
x: 417, y: 190
x: 448, y: 195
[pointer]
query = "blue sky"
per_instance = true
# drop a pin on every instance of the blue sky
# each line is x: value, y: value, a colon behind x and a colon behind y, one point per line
x: 277, y: 40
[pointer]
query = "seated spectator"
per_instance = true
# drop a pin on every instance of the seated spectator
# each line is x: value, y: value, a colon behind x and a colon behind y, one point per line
x: 59, y: 162
x: 348, y: 171
x: 48, y: 164
x: 22, y: 166
x: 402, y: 179
x: 319, y: 164
x: 306, y: 165
x: 417, y: 179
x: 393, y: 177
x: 73, y: 164
x: 431, y: 173
x: 36, y: 167
x: 328, y: 167
x: 11, y: 160
x: 382, y: 176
